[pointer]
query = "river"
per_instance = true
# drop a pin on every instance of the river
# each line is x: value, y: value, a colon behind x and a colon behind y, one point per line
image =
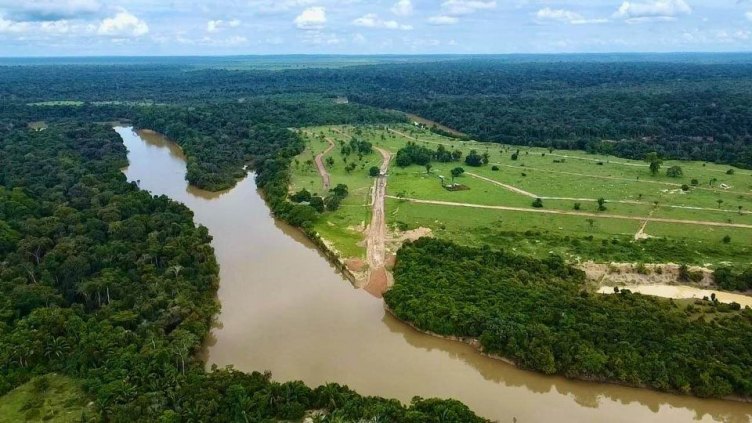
x: 285, y: 309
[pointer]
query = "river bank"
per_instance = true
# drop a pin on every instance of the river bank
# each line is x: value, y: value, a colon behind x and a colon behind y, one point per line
x: 286, y: 310
x: 476, y: 345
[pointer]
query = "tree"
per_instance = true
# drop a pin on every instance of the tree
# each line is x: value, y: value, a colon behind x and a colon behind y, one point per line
x: 601, y: 204
x: 538, y: 203
x: 341, y: 190
x: 428, y: 168
x: 654, y: 161
x: 374, y: 171
x: 330, y: 161
x: 474, y: 159
x: 457, y: 172
x: 317, y: 203
x: 577, y: 206
x: 332, y: 202
x: 726, y: 239
x: 719, y: 201
x: 674, y: 172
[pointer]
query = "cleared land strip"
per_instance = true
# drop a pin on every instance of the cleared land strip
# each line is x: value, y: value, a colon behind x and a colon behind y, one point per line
x: 378, y: 279
x: 616, y: 178
x: 613, y: 178
x: 634, y: 202
x: 573, y: 213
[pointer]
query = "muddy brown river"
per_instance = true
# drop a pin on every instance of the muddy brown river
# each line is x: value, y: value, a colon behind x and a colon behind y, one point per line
x: 285, y: 309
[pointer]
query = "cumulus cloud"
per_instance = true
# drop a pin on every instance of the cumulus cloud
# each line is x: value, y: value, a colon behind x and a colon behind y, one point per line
x: 565, y: 16
x: 652, y: 11
x: 403, y: 8
x: 311, y: 18
x: 49, y: 10
x: 216, y: 25
x: 442, y: 20
x: 466, y: 7
x: 372, y: 20
x: 123, y: 24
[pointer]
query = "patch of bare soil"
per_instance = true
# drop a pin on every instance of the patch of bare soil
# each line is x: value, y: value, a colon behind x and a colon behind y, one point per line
x: 355, y: 265
x: 379, y: 281
x: 614, y: 274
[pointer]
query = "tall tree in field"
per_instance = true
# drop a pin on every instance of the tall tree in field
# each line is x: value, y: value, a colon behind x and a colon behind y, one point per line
x: 655, y: 162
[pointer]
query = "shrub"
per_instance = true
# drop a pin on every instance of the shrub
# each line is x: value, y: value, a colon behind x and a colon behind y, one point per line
x: 538, y: 203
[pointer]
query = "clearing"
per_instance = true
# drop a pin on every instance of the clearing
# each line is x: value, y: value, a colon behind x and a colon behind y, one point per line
x: 49, y: 398
x: 593, y: 207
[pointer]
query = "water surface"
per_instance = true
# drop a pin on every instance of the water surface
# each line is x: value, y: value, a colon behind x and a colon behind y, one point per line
x: 285, y: 309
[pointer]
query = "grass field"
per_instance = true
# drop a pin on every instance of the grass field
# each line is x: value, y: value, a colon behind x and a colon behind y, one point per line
x: 690, y: 223
x: 49, y: 398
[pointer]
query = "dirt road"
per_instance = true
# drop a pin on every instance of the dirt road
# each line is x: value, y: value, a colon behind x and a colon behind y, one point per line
x: 573, y: 213
x: 322, y: 169
x: 378, y: 278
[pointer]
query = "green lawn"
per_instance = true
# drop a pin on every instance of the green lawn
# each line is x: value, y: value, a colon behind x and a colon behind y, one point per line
x: 49, y: 398
x: 561, y: 178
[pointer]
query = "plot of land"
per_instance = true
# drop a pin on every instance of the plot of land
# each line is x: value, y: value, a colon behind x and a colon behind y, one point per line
x: 702, y: 217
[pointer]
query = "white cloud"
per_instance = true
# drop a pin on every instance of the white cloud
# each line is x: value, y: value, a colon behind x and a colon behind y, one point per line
x: 466, y: 7
x: 311, y: 18
x: 564, y: 16
x: 123, y: 24
x: 49, y: 10
x: 403, y: 8
x: 749, y: 15
x: 212, y: 26
x: 216, y: 25
x: 372, y: 20
x: 442, y: 20
x: 13, y: 27
x: 56, y: 27
x: 657, y: 10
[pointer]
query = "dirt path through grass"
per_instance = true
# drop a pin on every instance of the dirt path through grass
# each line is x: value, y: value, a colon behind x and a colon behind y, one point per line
x: 378, y: 278
x: 573, y: 213
x: 322, y: 169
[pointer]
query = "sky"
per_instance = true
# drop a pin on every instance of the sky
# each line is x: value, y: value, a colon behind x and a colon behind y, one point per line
x: 241, y: 27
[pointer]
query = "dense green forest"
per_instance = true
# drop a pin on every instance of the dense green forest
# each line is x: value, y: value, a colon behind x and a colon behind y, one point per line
x: 682, y: 110
x: 539, y: 314
x: 105, y: 283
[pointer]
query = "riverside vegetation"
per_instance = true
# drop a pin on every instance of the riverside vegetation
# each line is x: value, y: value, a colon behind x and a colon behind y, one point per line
x: 114, y: 288
x: 538, y: 314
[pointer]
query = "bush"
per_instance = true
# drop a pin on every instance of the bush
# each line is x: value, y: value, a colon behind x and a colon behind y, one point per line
x: 302, y: 196
x: 577, y: 206
x: 495, y: 168
x: 374, y: 171
x: 674, y: 172
x: 538, y: 203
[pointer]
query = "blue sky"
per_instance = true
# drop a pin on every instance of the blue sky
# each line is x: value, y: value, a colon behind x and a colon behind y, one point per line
x: 188, y: 27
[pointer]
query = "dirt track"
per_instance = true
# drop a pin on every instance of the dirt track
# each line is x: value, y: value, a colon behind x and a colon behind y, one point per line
x: 378, y: 278
x: 572, y: 213
x: 322, y: 169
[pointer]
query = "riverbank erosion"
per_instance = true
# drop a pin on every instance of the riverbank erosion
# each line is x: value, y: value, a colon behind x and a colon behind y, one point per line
x: 539, y: 315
